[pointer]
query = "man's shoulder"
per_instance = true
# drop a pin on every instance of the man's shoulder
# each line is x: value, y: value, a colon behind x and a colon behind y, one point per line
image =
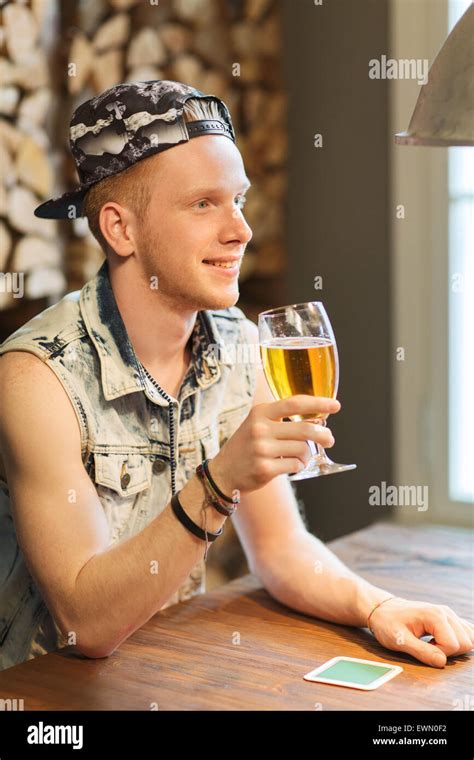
x: 50, y: 330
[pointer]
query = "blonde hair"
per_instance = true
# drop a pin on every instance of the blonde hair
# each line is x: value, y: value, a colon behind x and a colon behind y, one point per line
x: 132, y: 188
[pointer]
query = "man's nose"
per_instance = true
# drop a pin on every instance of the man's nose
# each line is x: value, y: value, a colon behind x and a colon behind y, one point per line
x: 239, y: 228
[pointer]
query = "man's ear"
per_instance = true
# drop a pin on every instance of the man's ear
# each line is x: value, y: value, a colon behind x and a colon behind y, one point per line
x: 117, y: 227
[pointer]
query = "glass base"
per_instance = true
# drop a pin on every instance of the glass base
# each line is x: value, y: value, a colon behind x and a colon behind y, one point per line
x: 318, y: 466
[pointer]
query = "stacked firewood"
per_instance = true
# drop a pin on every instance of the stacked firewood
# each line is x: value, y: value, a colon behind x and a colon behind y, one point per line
x: 29, y: 247
x: 228, y: 48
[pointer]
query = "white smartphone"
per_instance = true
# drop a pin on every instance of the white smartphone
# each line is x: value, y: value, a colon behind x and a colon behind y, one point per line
x: 354, y: 673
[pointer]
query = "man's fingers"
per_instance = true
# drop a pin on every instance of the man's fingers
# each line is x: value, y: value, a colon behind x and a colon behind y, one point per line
x: 289, y: 450
x: 463, y: 634
x: 304, y: 431
x: 302, y: 404
x: 285, y: 465
x: 469, y: 628
x: 438, y: 624
x: 452, y: 636
x: 428, y: 653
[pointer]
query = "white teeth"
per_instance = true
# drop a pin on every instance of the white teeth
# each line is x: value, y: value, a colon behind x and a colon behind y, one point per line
x: 224, y: 264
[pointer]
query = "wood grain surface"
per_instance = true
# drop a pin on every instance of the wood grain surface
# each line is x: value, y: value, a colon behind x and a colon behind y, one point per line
x: 236, y: 648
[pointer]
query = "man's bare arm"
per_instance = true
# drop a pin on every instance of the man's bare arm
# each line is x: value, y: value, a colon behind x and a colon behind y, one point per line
x: 102, y: 594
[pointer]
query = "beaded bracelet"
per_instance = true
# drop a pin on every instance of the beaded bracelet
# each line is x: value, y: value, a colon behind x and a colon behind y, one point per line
x: 377, y: 605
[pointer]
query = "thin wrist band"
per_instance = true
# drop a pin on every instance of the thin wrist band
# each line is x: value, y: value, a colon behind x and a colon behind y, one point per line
x: 212, y: 496
x: 205, y: 466
x: 373, y: 610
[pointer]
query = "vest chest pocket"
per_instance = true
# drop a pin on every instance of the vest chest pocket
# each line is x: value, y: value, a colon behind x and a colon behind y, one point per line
x: 230, y: 420
x: 222, y: 429
x: 122, y: 482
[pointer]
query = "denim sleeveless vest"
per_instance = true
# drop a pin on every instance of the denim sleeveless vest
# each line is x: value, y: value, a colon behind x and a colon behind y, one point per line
x: 138, y: 444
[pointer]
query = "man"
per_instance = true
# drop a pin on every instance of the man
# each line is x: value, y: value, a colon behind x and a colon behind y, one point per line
x: 112, y: 398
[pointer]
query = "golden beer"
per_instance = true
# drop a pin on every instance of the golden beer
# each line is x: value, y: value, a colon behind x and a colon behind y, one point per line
x: 294, y: 365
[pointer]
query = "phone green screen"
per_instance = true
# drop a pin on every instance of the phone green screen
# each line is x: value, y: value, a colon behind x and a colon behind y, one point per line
x: 355, y: 672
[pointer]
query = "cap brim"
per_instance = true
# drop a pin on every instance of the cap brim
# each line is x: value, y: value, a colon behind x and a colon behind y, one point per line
x: 66, y: 206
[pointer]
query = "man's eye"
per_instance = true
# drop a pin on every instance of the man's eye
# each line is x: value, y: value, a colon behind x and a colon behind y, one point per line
x: 240, y: 202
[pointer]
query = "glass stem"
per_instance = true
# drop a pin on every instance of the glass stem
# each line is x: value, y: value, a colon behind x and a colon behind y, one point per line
x: 321, y: 452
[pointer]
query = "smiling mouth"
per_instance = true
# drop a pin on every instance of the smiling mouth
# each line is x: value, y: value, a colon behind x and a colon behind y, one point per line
x: 222, y: 264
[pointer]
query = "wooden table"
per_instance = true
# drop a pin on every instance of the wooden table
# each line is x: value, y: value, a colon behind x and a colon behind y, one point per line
x: 236, y: 648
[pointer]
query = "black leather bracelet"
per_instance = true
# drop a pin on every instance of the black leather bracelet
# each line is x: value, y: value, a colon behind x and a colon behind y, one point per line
x: 205, y: 466
x: 189, y: 524
x: 220, y: 508
x: 211, y: 494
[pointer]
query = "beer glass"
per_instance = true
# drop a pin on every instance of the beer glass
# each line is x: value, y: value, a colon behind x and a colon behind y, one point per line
x: 299, y: 355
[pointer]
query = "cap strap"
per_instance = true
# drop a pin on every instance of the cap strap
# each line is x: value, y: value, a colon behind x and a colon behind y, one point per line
x: 205, y: 126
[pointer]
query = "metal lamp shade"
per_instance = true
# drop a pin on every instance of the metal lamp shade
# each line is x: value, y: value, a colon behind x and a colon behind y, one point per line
x: 444, y: 112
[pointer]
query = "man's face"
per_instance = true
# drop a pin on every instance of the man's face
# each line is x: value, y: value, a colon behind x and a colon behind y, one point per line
x: 195, y: 214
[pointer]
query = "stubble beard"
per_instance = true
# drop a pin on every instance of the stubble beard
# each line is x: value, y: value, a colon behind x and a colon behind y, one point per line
x: 180, y: 289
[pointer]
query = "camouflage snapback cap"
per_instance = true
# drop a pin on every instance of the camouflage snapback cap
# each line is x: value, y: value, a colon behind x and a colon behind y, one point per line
x: 124, y: 124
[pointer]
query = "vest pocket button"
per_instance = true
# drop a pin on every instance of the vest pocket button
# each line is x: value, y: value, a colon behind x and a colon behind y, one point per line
x: 124, y: 476
x: 159, y: 466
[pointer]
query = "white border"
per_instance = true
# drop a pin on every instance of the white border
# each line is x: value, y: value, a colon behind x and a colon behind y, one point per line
x: 394, y: 671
